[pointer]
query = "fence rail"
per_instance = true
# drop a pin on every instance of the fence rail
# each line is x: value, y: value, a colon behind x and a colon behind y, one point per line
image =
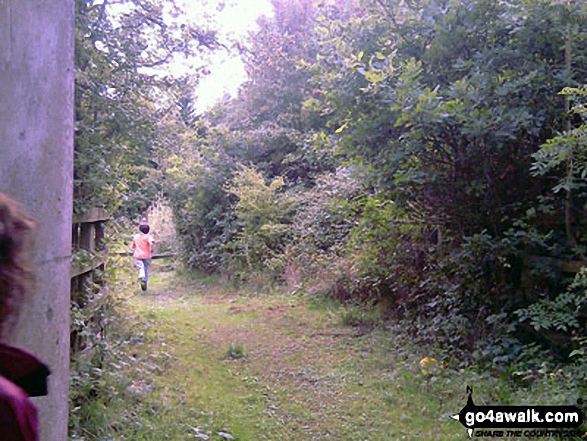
x: 154, y: 256
x: 88, y: 235
x: 96, y: 261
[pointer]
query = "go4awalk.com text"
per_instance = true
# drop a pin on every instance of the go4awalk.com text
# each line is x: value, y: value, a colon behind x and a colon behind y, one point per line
x: 563, y: 422
x: 534, y: 433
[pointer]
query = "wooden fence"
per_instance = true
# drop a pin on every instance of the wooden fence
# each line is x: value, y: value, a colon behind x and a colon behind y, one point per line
x: 89, y: 252
x: 89, y: 248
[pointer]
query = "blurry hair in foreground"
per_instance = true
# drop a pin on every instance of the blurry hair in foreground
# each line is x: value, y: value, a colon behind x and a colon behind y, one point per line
x: 15, y: 273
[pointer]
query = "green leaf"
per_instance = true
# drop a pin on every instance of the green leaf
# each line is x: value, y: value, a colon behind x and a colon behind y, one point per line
x: 341, y: 128
x: 375, y: 76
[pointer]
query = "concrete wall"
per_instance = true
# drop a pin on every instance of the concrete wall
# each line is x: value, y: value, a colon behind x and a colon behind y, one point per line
x: 36, y: 163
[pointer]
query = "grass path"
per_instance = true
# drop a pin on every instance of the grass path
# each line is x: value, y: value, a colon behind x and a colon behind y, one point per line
x: 257, y: 366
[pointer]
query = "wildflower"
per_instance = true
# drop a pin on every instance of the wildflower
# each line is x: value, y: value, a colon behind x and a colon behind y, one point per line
x: 430, y: 366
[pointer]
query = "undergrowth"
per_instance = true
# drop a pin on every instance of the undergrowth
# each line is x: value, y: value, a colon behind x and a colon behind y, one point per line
x: 518, y: 373
x: 173, y: 365
x: 109, y: 375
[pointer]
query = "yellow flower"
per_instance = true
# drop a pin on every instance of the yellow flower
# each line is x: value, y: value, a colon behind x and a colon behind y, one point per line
x: 430, y: 366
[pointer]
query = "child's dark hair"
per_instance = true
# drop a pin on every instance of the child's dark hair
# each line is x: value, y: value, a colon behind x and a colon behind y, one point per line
x: 144, y: 228
x: 14, y: 270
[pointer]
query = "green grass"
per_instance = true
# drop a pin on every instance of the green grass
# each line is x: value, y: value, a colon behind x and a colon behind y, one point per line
x: 217, y: 362
x: 305, y: 375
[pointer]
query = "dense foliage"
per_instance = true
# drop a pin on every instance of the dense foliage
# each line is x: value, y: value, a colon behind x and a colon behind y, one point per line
x: 423, y: 157
x: 431, y: 162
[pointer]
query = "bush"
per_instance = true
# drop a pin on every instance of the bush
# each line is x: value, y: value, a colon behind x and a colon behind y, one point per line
x: 263, y: 214
x: 560, y: 323
x: 201, y: 212
x: 103, y: 335
x: 316, y: 255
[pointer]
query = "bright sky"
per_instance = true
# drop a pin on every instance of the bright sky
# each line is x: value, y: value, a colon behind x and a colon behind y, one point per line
x: 237, y: 18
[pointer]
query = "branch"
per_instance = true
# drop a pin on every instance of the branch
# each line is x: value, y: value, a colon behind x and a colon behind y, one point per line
x: 391, y: 16
x: 158, y: 62
x: 155, y: 21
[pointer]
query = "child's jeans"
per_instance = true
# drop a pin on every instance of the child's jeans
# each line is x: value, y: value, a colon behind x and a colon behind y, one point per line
x: 143, y: 267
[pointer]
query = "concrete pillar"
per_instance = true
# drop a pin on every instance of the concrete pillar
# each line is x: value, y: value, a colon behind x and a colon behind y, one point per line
x: 36, y: 163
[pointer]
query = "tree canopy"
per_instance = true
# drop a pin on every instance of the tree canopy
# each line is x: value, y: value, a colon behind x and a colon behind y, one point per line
x: 124, y: 92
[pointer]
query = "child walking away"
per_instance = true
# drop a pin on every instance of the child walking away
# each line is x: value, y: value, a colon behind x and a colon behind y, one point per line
x: 143, y: 246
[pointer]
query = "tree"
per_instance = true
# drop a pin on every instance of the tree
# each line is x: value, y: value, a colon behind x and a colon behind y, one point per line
x: 442, y: 104
x: 121, y: 96
x: 268, y: 123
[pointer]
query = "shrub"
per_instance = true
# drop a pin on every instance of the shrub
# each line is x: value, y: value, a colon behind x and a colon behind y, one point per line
x: 263, y: 214
x: 560, y: 323
x: 201, y: 211
x: 317, y: 255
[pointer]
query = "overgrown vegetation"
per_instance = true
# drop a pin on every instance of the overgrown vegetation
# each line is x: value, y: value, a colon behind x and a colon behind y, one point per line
x: 422, y: 160
x: 419, y: 141
x: 125, y: 105
x: 207, y: 361
x: 128, y: 102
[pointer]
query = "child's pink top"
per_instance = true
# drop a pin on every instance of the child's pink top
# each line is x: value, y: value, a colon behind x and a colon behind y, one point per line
x: 141, y: 244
